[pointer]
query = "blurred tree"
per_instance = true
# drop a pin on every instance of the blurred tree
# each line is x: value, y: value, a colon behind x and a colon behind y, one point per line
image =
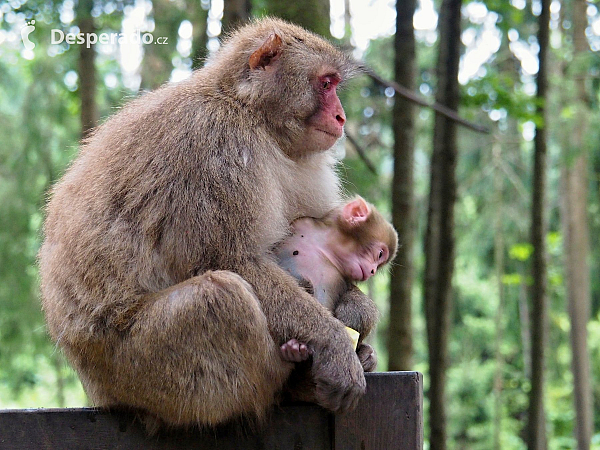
x: 198, y: 17
x: 439, y: 237
x: 575, y: 181
x: 499, y: 248
x: 403, y: 217
x: 157, y: 64
x: 40, y: 122
x: 87, y: 70
x: 539, y: 302
x: 235, y: 13
x: 311, y: 14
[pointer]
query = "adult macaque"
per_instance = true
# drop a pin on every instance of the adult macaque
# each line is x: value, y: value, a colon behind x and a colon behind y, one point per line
x: 157, y: 275
x: 327, y: 255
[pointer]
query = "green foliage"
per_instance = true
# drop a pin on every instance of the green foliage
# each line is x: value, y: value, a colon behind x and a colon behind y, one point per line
x: 311, y: 14
x: 39, y: 130
x: 521, y: 252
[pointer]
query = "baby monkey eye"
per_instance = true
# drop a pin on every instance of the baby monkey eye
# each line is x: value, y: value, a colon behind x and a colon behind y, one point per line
x: 380, y: 254
x: 326, y: 85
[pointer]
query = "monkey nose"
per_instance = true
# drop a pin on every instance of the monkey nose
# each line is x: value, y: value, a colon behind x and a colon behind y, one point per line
x: 341, y: 119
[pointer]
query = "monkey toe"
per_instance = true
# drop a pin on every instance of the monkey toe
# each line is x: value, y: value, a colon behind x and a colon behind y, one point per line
x: 294, y: 351
x: 367, y: 357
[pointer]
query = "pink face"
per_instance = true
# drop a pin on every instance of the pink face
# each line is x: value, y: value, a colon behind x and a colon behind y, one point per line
x: 362, y: 265
x: 327, y: 125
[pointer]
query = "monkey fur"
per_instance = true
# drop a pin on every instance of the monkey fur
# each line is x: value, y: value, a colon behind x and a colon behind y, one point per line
x: 157, y: 277
x: 324, y: 255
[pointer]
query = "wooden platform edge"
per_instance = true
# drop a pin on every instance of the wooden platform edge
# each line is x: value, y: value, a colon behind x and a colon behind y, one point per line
x: 389, y: 416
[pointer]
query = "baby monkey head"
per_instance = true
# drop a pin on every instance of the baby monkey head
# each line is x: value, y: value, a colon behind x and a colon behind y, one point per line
x: 366, y: 240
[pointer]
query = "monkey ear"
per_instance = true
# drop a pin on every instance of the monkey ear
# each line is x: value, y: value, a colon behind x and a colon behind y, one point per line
x: 356, y: 211
x: 267, y: 53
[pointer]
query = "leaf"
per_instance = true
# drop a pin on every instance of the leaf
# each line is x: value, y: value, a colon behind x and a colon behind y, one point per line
x: 511, y: 279
x: 521, y: 252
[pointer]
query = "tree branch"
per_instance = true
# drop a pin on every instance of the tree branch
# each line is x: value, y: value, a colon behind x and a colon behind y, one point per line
x: 361, y: 152
x: 419, y: 100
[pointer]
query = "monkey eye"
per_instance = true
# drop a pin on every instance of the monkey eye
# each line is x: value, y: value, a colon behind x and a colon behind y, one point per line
x: 328, y: 82
x: 383, y: 254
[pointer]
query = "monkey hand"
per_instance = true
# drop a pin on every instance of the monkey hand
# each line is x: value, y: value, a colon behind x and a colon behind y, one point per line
x: 357, y: 311
x: 367, y: 357
x: 338, y: 374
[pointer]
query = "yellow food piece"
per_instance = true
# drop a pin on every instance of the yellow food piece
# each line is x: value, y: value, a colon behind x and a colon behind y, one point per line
x: 353, y: 334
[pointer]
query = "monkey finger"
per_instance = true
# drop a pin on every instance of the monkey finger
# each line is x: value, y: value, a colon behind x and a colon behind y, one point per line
x: 349, y: 401
x: 286, y: 354
x: 367, y: 357
x: 289, y: 356
x: 339, y: 391
x: 304, y: 352
x: 294, y: 355
x: 292, y: 351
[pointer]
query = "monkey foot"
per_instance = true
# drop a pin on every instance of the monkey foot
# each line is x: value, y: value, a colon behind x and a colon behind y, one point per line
x: 294, y: 351
x: 367, y: 357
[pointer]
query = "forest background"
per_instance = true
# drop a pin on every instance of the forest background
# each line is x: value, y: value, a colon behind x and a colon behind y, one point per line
x: 494, y: 295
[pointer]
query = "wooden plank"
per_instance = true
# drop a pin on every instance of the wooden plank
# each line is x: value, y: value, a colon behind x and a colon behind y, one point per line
x: 389, y: 414
x: 291, y: 427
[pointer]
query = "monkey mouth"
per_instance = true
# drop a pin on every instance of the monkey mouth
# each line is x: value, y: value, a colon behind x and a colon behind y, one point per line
x: 329, y: 133
x: 359, y: 274
x: 365, y: 275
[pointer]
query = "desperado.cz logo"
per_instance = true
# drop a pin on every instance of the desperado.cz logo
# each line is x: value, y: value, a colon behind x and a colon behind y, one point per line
x: 25, y: 32
x: 89, y: 39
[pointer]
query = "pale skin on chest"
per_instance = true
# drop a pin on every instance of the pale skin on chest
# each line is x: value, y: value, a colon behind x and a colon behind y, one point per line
x: 305, y: 256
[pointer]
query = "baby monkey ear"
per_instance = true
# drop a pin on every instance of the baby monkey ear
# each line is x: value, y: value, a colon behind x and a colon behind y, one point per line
x: 267, y: 53
x: 356, y: 211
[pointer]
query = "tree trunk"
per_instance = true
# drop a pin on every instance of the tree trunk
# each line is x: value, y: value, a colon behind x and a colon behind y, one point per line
x: 87, y: 70
x: 157, y: 64
x: 539, y: 302
x: 439, y: 238
x: 499, y: 265
x: 235, y: 13
x: 199, y: 17
x: 310, y: 14
x: 525, y: 320
x: 576, y: 233
x: 60, y: 380
x: 348, y: 20
x: 400, y: 328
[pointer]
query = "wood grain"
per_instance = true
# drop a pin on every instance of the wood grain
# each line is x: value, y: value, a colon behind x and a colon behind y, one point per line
x: 390, y: 416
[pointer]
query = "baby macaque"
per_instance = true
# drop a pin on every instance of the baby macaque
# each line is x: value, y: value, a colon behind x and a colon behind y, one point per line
x: 327, y: 255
